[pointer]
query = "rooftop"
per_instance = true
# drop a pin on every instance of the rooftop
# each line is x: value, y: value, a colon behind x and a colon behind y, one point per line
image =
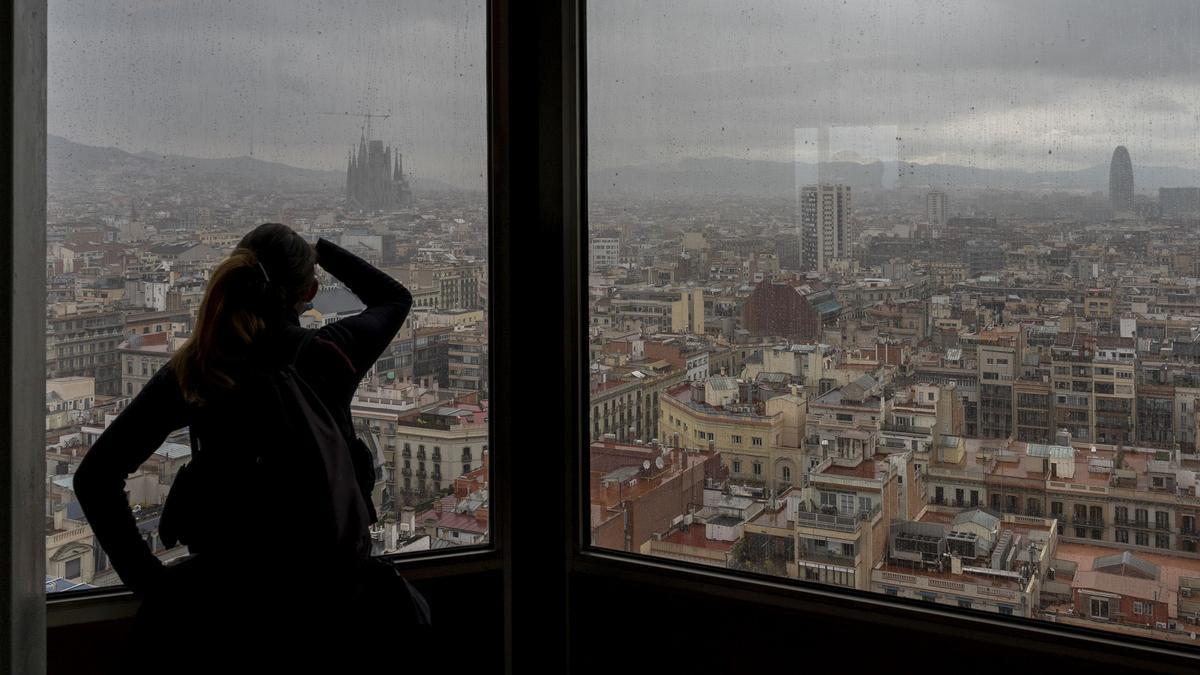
x: 1171, y: 568
x: 867, y: 469
x: 695, y: 536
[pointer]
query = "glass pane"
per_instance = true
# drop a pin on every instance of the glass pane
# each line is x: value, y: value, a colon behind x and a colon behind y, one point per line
x: 900, y: 296
x: 175, y: 129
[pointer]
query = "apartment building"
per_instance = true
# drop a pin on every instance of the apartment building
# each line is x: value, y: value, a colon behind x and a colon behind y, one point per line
x: 842, y: 523
x: 82, y: 341
x: 467, y: 359
x: 971, y: 559
x: 141, y: 356
x: 759, y: 441
x: 437, y: 444
x: 652, y: 309
x: 998, y: 368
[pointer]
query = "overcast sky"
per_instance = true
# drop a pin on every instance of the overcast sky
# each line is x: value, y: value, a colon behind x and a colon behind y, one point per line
x: 1033, y: 84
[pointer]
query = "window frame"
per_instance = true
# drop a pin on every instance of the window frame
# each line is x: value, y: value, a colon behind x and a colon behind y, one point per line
x: 757, y: 589
x: 24, y: 137
x: 536, y: 99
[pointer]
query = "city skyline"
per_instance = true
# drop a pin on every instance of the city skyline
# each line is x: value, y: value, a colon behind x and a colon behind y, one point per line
x: 339, y: 174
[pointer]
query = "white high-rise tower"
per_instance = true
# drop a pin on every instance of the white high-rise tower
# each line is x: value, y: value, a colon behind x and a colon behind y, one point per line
x: 935, y: 211
x: 825, y: 224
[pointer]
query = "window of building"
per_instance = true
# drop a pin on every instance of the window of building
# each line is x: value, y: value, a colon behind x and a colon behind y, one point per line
x: 1141, y: 607
x: 1099, y: 608
x: 1142, y: 538
x: 737, y: 466
x: 756, y: 440
x: 757, y: 468
x: 73, y: 568
x: 1162, y: 541
x: 786, y: 473
x: 735, y: 439
x: 1121, y: 535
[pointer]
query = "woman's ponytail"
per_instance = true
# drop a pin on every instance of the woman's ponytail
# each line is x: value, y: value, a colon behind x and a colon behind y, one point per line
x: 230, y: 317
x: 269, y: 271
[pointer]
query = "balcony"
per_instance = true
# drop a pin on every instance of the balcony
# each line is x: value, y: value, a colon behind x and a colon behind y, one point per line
x: 840, y: 522
x: 406, y: 472
x: 906, y: 429
x: 1133, y: 523
x: 825, y: 557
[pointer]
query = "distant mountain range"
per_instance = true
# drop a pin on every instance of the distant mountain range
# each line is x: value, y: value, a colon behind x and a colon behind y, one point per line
x: 779, y: 179
x: 69, y: 161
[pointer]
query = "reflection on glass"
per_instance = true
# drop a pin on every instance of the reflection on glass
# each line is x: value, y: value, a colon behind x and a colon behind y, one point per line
x: 902, y: 297
x: 174, y: 130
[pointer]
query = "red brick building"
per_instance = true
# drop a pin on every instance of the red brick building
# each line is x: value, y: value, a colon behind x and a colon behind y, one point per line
x: 1122, y: 599
x: 630, y: 503
x: 787, y: 310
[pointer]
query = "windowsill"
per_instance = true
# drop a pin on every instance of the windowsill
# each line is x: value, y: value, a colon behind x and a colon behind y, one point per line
x: 107, y: 604
x: 881, y: 610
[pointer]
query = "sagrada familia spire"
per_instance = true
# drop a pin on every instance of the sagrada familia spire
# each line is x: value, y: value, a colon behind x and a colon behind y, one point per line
x: 374, y: 181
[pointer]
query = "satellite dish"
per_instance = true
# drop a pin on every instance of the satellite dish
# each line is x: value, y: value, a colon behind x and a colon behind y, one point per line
x: 646, y: 465
x: 658, y: 462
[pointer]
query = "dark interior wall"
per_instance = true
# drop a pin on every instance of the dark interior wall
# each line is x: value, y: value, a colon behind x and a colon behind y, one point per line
x: 631, y: 625
x: 467, y: 613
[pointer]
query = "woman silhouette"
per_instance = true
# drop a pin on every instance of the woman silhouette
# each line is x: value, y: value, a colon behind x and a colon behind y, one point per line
x: 264, y: 587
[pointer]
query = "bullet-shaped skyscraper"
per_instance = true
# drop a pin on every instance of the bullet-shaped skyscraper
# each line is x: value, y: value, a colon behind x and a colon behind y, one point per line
x: 1120, y: 182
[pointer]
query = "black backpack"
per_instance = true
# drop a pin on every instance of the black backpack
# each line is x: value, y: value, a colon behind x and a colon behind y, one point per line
x: 276, y: 448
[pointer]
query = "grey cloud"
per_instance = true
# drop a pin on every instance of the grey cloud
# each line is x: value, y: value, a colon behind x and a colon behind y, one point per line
x: 989, y: 83
x: 217, y: 79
